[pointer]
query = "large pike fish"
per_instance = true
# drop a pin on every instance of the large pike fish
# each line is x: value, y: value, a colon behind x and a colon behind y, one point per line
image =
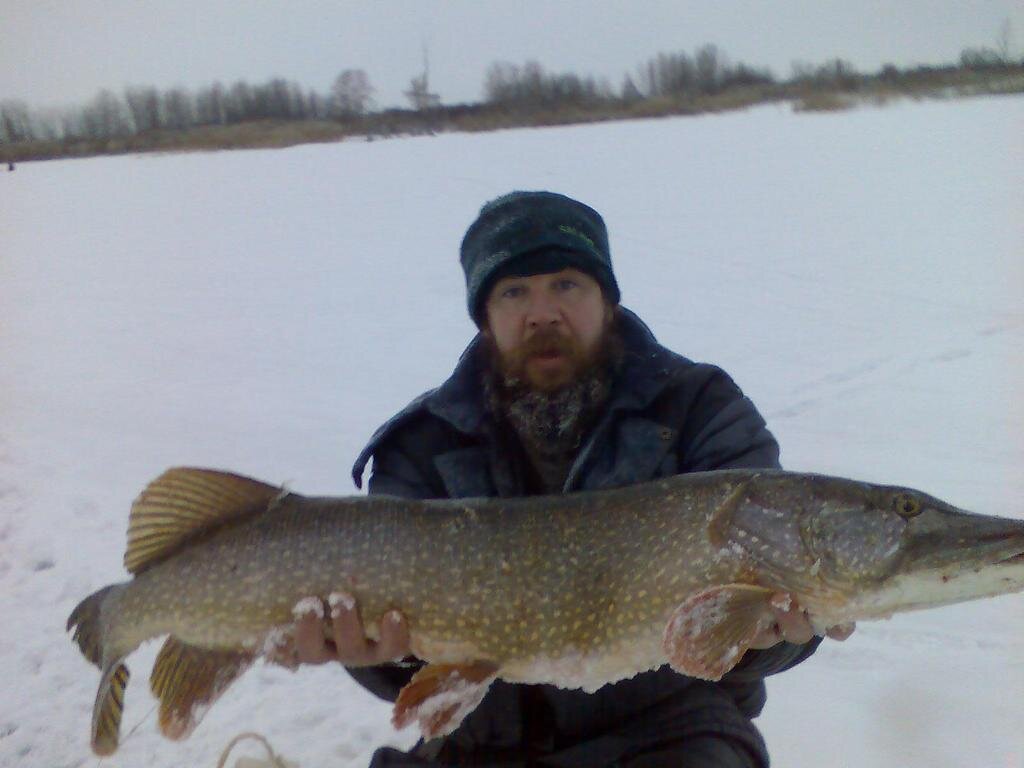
x: 576, y: 590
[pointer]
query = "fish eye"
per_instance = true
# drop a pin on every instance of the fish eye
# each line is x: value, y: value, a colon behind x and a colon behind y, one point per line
x: 906, y: 505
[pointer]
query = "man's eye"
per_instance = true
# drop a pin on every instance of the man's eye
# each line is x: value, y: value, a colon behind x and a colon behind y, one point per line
x: 565, y: 285
x: 513, y: 292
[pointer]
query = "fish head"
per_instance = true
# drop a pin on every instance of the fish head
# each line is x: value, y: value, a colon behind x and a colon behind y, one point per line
x: 945, y: 555
x: 851, y: 550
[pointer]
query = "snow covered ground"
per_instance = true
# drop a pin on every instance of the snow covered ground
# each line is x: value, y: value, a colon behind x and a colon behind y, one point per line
x: 860, y: 274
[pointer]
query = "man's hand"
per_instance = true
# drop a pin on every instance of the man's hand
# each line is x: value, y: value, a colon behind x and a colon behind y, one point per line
x: 350, y: 646
x: 793, y: 625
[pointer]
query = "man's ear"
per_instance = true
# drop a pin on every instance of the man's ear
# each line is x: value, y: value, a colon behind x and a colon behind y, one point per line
x: 611, y: 313
x: 485, y: 326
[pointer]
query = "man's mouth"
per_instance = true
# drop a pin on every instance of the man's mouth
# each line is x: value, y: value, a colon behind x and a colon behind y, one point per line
x: 548, y: 354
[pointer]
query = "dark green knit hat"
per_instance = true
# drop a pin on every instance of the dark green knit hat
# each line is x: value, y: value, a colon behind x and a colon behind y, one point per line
x: 529, y: 233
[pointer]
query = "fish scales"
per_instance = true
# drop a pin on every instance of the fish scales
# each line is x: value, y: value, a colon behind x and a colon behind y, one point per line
x: 494, y: 572
x: 576, y: 590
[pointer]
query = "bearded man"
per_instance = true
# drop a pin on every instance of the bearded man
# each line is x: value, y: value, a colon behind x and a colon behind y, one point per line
x: 565, y: 390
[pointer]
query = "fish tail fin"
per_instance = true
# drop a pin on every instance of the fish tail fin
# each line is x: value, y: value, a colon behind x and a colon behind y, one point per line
x: 106, y: 712
x: 85, y: 619
x: 90, y: 635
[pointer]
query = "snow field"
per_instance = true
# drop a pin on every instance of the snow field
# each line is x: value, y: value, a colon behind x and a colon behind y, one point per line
x: 859, y: 274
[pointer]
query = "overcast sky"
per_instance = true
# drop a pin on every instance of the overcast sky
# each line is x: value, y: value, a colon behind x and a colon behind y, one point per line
x: 55, y: 52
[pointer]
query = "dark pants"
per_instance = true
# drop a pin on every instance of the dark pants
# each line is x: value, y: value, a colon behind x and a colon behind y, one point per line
x: 702, y: 751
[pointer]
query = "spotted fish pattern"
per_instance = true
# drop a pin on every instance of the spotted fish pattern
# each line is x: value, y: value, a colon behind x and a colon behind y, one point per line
x: 576, y: 590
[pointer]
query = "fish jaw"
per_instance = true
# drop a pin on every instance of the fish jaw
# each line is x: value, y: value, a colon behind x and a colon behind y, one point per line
x: 952, y: 540
x: 932, y: 588
x: 950, y: 556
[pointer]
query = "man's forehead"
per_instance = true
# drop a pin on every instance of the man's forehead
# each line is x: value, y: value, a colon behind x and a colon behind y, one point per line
x: 542, y: 276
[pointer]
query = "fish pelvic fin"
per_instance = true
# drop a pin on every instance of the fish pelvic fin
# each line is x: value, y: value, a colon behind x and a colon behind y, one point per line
x: 439, y: 696
x: 85, y: 619
x: 708, y: 633
x: 183, y: 503
x: 106, y: 712
x: 188, y: 680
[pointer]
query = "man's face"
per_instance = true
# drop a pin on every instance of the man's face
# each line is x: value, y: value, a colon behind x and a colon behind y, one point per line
x: 547, y: 329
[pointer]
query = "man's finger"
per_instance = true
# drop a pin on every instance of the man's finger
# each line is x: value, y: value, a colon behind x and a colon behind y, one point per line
x: 310, y: 644
x: 794, y: 626
x: 281, y: 650
x: 394, y: 637
x: 767, y: 637
x: 349, y: 637
x: 841, y: 631
x: 792, y: 620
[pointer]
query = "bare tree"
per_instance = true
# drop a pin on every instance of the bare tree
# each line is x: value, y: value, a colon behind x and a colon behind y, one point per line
x: 351, y: 92
x: 15, y: 123
x: 710, y: 65
x: 144, y: 106
x: 499, y: 81
x: 46, y: 125
x: 284, y: 100
x: 238, y: 103
x: 317, y: 107
x: 1004, y: 40
x: 629, y: 93
x: 676, y: 75
x: 210, y: 106
x: 106, y: 117
x: 179, y: 109
x: 802, y: 71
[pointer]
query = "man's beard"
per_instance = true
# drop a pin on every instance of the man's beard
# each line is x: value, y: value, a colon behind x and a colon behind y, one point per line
x: 552, y: 421
x: 514, y: 370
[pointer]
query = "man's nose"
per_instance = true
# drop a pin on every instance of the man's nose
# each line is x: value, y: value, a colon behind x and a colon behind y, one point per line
x: 542, y: 311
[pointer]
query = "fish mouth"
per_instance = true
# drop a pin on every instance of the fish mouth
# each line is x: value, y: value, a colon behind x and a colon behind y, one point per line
x: 1012, y: 559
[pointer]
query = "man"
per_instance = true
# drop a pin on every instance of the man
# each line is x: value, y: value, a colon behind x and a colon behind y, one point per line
x: 565, y: 390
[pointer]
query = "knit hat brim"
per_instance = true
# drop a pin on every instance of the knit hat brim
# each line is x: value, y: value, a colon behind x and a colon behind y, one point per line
x: 542, y: 262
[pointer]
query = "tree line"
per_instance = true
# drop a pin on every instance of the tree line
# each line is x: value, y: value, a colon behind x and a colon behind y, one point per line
x: 139, y: 110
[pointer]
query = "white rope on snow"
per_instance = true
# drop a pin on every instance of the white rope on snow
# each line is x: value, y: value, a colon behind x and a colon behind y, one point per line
x: 273, y: 759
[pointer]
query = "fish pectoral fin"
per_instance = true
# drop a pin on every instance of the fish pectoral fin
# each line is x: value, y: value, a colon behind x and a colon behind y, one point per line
x: 187, y: 679
x: 439, y: 696
x: 106, y: 712
x: 708, y: 634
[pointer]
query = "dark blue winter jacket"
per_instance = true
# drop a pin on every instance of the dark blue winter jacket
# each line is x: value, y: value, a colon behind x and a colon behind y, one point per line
x: 666, y: 415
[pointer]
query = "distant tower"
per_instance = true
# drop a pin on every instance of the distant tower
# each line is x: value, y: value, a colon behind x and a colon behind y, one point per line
x: 419, y: 94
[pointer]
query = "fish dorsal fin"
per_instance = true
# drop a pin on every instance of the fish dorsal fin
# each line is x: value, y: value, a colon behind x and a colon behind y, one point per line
x: 183, y: 502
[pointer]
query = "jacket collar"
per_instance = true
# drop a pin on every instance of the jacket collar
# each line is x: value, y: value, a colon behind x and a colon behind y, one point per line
x: 459, y: 401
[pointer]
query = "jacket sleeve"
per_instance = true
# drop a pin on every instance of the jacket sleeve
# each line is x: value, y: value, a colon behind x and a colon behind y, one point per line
x: 723, y: 429
x: 396, y: 472
x: 726, y: 431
